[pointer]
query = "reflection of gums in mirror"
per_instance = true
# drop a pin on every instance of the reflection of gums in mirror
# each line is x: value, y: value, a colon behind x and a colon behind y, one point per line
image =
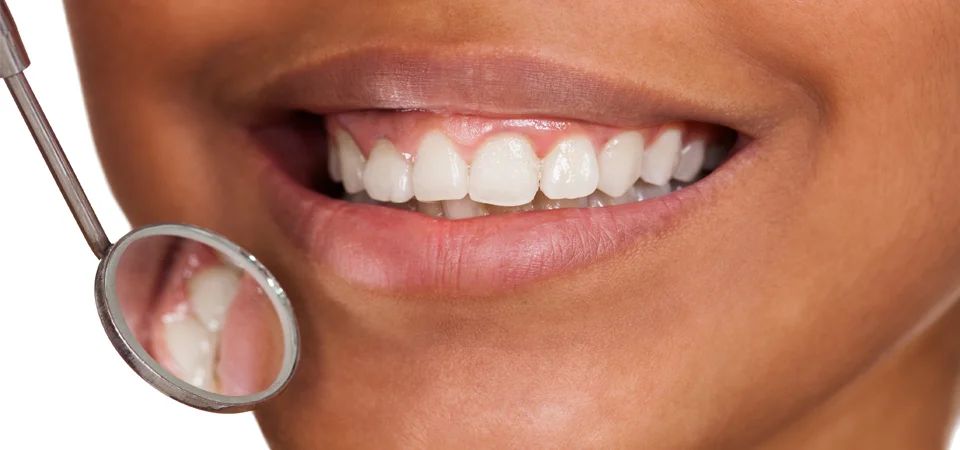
x: 199, y: 316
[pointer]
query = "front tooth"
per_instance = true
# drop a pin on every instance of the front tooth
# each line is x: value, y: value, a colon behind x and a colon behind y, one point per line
x: 333, y: 161
x: 620, y: 162
x: 387, y: 174
x: 351, y: 162
x: 505, y: 172
x: 193, y: 349
x: 660, y: 159
x: 464, y: 208
x: 691, y: 161
x: 210, y: 292
x: 570, y: 170
x: 439, y: 172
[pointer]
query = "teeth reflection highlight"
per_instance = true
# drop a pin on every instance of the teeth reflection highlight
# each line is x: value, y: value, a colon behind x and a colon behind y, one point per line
x: 570, y: 170
x: 386, y: 175
x: 439, y: 172
x: 351, y: 162
x: 505, y: 171
x: 619, y: 163
x: 193, y: 349
x: 210, y: 293
x: 691, y: 161
x: 333, y: 161
x: 191, y: 332
x: 661, y: 158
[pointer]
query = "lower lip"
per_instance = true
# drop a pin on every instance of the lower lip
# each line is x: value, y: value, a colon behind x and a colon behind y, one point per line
x: 384, y: 248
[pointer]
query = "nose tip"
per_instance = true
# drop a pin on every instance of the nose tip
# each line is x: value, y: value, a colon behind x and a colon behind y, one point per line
x: 13, y: 57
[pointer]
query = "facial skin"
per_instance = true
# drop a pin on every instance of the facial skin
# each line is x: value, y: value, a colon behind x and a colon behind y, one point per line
x: 807, y: 303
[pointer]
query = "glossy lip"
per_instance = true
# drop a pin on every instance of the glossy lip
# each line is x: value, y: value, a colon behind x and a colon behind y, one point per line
x: 384, y: 248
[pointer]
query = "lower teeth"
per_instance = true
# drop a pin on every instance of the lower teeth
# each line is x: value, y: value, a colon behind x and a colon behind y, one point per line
x: 466, y: 208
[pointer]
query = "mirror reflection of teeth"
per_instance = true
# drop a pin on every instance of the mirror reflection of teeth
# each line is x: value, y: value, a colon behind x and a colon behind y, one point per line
x: 192, y: 338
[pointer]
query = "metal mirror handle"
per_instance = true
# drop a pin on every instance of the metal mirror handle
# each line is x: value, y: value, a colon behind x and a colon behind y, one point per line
x: 13, y: 61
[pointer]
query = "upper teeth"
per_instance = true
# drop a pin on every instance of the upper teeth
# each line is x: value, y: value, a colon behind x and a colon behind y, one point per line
x: 193, y: 349
x: 661, y: 158
x: 387, y: 174
x: 439, y: 173
x: 505, y: 170
x: 570, y: 170
x: 351, y: 162
x: 193, y: 339
x: 691, y: 160
x: 210, y: 292
x: 620, y: 162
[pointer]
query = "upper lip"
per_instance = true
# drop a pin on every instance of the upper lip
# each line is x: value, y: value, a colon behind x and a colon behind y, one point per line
x: 497, y: 85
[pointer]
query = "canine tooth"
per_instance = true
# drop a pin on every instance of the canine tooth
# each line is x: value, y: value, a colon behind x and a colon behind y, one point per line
x: 333, y: 161
x: 505, y: 171
x: 570, y: 170
x: 439, y: 172
x: 351, y: 162
x: 714, y: 156
x: 647, y: 191
x: 211, y: 292
x: 193, y: 349
x: 691, y: 161
x: 434, y: 209
x: 620, y: 162
x: 387, y: 174
x: 660, y: 159
x: 464, y: 208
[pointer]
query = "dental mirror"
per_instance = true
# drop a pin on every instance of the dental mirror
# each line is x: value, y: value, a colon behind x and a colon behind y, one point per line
x: 196, y: 316
x: 193, y: 314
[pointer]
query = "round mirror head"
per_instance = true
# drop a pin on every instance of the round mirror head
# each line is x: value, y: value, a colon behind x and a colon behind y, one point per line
x: 197, y: 317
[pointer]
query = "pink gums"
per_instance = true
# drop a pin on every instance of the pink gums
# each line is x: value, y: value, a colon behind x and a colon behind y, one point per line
x: 406, y: 129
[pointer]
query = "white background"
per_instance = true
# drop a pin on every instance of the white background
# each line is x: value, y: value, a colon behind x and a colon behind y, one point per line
x: 61, y: 383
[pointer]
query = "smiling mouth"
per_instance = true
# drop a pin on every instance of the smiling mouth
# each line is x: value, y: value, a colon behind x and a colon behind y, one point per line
x: 439, y: 192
